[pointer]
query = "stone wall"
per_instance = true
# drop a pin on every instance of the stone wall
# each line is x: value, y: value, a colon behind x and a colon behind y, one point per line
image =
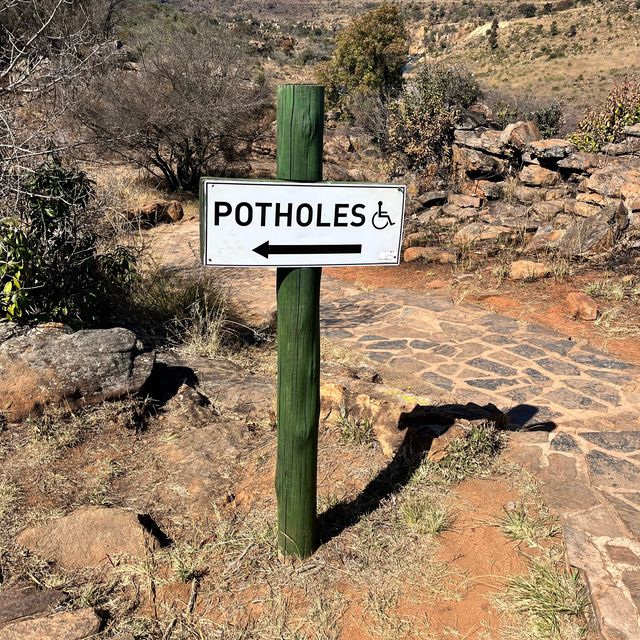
x: 512, y: 181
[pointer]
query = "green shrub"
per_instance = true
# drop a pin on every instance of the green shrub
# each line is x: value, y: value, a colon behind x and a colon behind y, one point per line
x: 369, y: 58
x: 549, y: 119
x: 598, y: 128
x: 53, y: 268
x: 548, y: 116
x: 422, y: 121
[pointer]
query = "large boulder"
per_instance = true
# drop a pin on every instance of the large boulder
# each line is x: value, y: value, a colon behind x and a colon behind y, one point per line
x: 477, y: 164
x: 47, y: 366
x: 554, y: 149
x: 594, y: 234
x: 519, y: 134
x: 91, y: 536
x: 617, y: 183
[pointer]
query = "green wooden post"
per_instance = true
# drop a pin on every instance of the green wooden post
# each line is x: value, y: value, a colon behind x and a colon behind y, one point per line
x: 300, y: 123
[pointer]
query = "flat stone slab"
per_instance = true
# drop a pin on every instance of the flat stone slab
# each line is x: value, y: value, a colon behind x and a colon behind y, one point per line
x: 623, y: 441
x: 24, y: 600
x: 610, y: 472
x: 66, y: 625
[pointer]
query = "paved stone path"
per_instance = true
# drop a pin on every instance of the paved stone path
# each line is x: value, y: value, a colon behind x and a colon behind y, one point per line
x: 577, y: 408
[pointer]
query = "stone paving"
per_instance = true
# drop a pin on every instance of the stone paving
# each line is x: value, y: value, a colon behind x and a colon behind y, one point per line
x: 575, y: 410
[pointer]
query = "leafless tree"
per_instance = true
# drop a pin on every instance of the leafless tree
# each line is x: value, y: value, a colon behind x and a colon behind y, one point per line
x: 46, y: 48
x: 195, y: 104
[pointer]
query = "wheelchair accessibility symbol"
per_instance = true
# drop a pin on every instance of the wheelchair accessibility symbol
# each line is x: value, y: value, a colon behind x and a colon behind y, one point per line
x: 381, y: 219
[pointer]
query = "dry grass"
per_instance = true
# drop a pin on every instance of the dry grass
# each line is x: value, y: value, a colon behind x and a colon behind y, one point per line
x: 529, y: 525
x: 549, y: 603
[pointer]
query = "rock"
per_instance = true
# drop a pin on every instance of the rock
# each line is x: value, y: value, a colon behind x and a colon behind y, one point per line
x: 438, y: 283
x: 478, y: 232
x: 552, y: 149
x: 613, y: 182
x: 548, y: 210
x: 333, y: 396
x: 191, y: 406
x: 585, y: 209
x: 477, y: 164
x: 66, y: 625
x: 23, y: 600
x: 415, y: 239
x: 528, y: 270
x: 592, y: 198
x: 560, y: 192
x: 79, y: 369
x: 198, y: 464
x: 230, y: 388
x: 595, y: 234
x: 491, y: 190
x: 172, y: 212
x: 90, y: 536
x: 463, y: 201
x: 439, y: 447
x: 582, y: 306
x: 430, y: 254
x: 580, y: 163
x: 427, y: 217
x: 158, y: 212
x: 545, y: 237
x: 535, y: 176
x: 626, y: 147
x: 486, y: 141
x: 528, y: 195
x: 632, y: 130
x: 471, y: 120
x: 519, y: 134
x: 432, y: 198
x: 459, y: 213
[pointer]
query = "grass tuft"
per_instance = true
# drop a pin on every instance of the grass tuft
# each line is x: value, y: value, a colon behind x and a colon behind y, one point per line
x: 550, y: 600
x: 426, y: 516
x: 521, y: 524
x: 358, y: 431
x: 473, y: 454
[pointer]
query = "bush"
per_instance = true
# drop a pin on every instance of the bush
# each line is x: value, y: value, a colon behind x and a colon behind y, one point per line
x: 53, y: 268
x: 549, y: 119
x: 548, y: 116
x: 194, y: 106
x: 622, y: 108
x: 187, y: 311
x: 368, y: 60
x: 527, y: 10
x: 422, y: 121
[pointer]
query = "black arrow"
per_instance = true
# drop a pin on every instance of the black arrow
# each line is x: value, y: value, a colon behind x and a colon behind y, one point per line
x: 266, y: 249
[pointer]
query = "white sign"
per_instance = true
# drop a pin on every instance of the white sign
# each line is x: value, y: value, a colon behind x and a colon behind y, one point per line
x: 262, y: 223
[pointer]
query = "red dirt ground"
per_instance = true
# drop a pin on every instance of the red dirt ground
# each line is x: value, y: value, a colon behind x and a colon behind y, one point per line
x: 541, y: 301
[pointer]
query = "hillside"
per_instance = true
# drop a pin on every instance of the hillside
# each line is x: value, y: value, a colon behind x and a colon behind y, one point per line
x: 571, y: 51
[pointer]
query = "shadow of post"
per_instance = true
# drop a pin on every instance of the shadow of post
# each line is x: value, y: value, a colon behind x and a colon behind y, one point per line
x: 421, y: 425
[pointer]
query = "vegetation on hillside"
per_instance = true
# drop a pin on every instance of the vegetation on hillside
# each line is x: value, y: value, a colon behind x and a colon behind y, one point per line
x: 605, y: 125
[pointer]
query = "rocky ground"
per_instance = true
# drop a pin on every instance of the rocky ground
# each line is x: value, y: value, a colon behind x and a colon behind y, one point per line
x: 136, y: 489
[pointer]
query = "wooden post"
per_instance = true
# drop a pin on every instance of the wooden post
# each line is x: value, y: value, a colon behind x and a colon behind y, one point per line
x: 300, y: 122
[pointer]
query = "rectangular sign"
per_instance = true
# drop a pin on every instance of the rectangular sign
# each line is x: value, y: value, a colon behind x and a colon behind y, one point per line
x: 263, y: 223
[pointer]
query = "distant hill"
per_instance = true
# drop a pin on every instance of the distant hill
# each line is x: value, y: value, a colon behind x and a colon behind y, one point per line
x: 571, y: 51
